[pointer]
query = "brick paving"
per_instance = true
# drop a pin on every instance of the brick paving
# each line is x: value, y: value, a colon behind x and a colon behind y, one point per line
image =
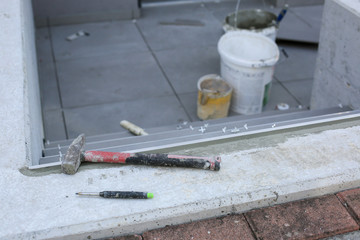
x: 351, y: 199
x: 307, y: 219
x: 327, y: 216
x: 230, y: 227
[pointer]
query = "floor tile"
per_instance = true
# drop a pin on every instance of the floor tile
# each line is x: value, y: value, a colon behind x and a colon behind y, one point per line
x: 105, y: 38
x: 105, y: 118
x: 130, y: 237
x: 307, y: 219
x: 43, y: 45
x: 105, y: 79
x: 352, y: 200
x: 54, y: 125
x: 184, y: 67
x: 49, y: 91
x: 313, y: 16
x: 230, y: 227
x: 189, y: 101
x: 299, y: 64
x: 295, y: 28
x: 301, y: 90
x: 278, y: 94
x: 160, y: 34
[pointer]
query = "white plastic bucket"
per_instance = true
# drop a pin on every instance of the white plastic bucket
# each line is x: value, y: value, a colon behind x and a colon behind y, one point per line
x: 247, y: 64
x: 253, y: 20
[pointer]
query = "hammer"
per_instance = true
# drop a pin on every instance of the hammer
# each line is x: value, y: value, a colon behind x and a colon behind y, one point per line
x: 75, y: 155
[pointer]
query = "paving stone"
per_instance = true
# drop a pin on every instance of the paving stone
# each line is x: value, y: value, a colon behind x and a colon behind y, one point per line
x: 130, y: 237
x: 352, y: 200
x: 229, y: 227
x: 306, y: 219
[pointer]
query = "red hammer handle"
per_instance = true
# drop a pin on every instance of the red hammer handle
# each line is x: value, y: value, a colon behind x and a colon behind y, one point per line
x: 208, y: 163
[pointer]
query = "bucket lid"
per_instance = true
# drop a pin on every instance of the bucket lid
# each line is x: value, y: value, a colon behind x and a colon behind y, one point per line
x: 248, y: 49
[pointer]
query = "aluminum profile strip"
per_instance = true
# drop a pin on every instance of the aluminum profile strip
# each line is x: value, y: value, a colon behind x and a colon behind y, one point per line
x: 213, y: 135
x: 111, y: 140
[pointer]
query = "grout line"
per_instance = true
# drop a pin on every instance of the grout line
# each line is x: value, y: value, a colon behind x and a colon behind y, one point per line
x: 163, y: 72
x: 287, y: 90
x: 348, y: 208
x: 300, y: 18
x: 251, y: 229
x: 56, y: 76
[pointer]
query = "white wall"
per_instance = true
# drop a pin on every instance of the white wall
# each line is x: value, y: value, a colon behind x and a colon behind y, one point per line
x: 20, y: 111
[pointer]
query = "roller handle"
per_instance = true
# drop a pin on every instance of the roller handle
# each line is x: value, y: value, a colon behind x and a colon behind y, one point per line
x: 163, y: 160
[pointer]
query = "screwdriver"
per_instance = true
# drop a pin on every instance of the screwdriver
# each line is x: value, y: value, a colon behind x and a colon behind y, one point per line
x: 118, y: 194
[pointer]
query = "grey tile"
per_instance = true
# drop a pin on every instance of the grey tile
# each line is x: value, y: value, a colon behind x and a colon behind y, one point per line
x: 110, y: 78
x: 300, y: 63
x: 189, y: 100
x: 295, y: 25
x: 184, y: 67
x: 105, y: 38
x: 301, y: 90
x: 105, y: 118
x: 49, y: 90
x: 46, y: 70
x: 43, y: 45
x: 164, y: 36
x: 310, y: 14
x: 278, y: 94
x: 54, y: 125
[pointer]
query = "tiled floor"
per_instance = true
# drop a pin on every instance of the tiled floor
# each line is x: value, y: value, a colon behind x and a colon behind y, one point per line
x: 330, y: 217
x: 146, y: 71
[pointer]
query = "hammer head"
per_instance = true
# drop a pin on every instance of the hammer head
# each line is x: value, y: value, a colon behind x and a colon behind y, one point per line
x: 72, y: 159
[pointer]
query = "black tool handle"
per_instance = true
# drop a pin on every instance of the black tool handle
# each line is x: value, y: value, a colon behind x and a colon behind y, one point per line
x: 164, y: 160
x: 121, y: 194
x: 167, y: 160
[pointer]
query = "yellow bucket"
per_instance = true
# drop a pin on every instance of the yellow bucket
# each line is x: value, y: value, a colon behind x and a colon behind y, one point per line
x: 214, y: 96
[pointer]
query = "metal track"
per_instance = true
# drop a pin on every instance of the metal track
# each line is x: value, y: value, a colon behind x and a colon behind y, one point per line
x: 201, y: 132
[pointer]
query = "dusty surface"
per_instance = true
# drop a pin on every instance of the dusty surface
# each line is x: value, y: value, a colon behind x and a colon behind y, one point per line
x: 281, y: 171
